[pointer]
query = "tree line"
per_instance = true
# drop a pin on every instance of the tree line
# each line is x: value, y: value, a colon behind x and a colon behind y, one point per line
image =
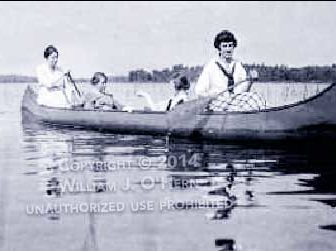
x: 277, y: 73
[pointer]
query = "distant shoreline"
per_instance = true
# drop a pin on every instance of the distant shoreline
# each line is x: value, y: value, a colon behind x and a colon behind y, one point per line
x: 277, y: 73
x: 17, y: 79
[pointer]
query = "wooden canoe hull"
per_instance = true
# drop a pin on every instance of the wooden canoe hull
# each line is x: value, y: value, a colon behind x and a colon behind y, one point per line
x: 314, y: 117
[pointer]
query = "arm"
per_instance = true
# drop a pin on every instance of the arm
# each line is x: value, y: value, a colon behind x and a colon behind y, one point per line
x: 203, y: 83
x: 241, y: 80
x: 148, y: 99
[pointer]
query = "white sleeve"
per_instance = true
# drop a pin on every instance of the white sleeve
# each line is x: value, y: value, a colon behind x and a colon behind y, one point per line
x: 203, y: 83
x: 241, y: 72
x: 42, y: 77
x: 240, y: 75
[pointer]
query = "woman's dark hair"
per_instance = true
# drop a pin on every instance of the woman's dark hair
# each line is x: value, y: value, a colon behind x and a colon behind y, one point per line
x: 225, y: 36
x: 96, y: 77
x: 181, y: 81
x: 183, y: 84
x: 49, y: 50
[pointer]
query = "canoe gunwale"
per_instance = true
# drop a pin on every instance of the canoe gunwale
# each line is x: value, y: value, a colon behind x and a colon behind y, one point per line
x: 32, y: 93
x: 212, y: 113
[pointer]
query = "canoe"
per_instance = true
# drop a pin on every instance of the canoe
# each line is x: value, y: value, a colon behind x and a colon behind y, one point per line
x: 314, y: 117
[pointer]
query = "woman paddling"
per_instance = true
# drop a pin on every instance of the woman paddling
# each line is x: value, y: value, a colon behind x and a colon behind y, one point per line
x: 222, y: 71
x: 226, y: 77
x: 54, y: 89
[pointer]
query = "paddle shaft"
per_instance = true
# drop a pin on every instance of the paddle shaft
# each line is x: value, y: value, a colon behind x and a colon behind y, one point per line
x: 236, y: 84
x: 74, y: 84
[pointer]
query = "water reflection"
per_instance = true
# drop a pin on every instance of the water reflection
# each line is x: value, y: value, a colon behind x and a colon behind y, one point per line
x: 226, y: 167
x: 224, y: 172
x: 218, y: 180
x: 226, y: 244
x: 61, y: 156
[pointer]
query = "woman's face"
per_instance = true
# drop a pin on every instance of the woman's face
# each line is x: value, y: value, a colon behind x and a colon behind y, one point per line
x: 226, y: 50
x: 52, y: 59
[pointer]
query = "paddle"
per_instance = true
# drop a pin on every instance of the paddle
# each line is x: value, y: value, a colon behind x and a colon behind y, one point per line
x: 70, y: 79
x: 251, y: 77
x: 201, y: 103
x: 73, y: 95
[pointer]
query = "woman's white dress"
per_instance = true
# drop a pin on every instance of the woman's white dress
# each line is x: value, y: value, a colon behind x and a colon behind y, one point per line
x: 49, y: 78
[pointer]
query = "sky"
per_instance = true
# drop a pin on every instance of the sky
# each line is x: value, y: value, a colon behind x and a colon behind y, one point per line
x: 116, y: 37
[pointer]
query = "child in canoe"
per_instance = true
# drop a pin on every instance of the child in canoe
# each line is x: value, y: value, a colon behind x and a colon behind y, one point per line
x: 97, y: 98
x: 181, y: 85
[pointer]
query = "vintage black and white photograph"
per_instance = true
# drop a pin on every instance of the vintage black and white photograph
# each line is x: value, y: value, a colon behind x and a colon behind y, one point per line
x: 168, y: 126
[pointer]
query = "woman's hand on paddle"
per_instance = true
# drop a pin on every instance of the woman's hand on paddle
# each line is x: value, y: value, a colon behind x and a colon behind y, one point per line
x: 252, y: 76
x: 67, y: 74
x: 67, y: 71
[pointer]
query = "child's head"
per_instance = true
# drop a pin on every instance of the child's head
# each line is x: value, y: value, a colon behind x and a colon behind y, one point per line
x: 99, y: 80
x: 181, y: 82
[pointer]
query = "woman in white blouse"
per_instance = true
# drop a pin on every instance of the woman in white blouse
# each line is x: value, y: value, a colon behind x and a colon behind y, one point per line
x: 222, y: 72
x: 52, y: 81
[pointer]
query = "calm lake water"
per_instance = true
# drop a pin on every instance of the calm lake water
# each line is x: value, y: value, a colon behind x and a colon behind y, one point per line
x: 68, y: 189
